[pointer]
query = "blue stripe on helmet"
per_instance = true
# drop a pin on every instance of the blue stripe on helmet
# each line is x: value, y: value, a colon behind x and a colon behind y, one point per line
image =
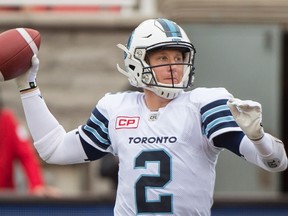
x: 129, y: 43
x: 170, y: 28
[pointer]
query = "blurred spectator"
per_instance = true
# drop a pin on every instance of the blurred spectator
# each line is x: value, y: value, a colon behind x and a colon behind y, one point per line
x: 15, y: 145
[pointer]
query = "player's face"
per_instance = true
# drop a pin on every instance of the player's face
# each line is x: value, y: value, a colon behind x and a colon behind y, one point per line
x: 171, y: 72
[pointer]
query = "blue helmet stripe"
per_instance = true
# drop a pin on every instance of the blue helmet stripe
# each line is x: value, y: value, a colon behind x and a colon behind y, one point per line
x: 130, y: 40
x: 170, y: 28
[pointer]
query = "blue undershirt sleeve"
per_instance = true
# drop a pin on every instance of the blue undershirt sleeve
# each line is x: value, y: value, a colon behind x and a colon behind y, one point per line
x: 230, y: 140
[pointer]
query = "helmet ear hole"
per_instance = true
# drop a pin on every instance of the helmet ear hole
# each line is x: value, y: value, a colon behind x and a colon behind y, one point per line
x: 132, y: 67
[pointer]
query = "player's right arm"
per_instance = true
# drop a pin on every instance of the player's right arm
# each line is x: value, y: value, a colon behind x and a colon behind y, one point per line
x: 257, y: 146
x: 52, y: 142
x: 240, y: 132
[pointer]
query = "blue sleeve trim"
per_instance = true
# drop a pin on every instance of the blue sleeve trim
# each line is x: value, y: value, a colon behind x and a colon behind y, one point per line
x: 216, y: 116
x: 91, y: 152
x: 230, y: 141
x: 96, y: 129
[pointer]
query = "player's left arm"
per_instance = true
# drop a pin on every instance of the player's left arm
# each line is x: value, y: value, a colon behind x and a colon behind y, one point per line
x: 257, y: 146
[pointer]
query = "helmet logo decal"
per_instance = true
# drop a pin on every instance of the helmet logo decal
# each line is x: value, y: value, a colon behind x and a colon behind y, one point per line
x: 170, y: 28
x: 138, y: 53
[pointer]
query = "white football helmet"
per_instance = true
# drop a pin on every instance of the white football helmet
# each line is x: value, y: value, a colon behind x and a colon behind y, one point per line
x: 156, y: 34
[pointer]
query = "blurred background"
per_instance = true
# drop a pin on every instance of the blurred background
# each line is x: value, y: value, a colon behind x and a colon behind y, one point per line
x: 241, y: 45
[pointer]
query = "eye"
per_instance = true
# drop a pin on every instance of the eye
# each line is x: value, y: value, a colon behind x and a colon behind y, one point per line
x: 179, y: 59
x: 163, y: 58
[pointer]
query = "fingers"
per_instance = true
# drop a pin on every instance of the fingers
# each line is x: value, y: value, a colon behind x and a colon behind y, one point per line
x: 35, y: 60
x: 233, y: 108
x: 244, y: 105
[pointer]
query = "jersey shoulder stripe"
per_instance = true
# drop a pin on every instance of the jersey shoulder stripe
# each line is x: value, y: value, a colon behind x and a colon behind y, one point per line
x: 216, y: 116
x: 96, y: 129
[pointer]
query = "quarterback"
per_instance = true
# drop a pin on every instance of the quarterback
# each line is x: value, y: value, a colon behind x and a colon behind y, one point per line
x: 167, y: 138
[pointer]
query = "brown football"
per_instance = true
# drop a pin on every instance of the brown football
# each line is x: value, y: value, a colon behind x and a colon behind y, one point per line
x: 17, y: 46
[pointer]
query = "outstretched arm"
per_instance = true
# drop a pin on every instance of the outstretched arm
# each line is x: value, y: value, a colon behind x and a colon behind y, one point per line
x: 257, y: 146
x: 52, y: 142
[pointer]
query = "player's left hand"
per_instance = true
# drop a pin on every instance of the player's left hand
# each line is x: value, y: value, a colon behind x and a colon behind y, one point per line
x: 248, y: 115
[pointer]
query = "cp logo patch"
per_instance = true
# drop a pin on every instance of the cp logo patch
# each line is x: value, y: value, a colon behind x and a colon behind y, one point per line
x: 125, y: 122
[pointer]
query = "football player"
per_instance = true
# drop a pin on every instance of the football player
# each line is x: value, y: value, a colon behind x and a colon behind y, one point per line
x: 167, y: 139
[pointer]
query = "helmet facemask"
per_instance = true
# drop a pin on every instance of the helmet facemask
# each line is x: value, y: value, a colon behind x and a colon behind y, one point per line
x: 149, y: 76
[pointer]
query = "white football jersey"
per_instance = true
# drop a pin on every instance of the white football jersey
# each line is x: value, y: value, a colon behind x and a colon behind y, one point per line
x: 166, y: 158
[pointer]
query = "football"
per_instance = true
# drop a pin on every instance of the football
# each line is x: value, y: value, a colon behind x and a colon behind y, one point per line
x: 17, y: 46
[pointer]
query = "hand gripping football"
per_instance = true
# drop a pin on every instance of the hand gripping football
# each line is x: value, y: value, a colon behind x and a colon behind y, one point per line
x: 17, y: 46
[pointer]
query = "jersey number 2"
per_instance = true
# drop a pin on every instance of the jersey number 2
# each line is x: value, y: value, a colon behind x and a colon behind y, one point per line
x: 146, y: 182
